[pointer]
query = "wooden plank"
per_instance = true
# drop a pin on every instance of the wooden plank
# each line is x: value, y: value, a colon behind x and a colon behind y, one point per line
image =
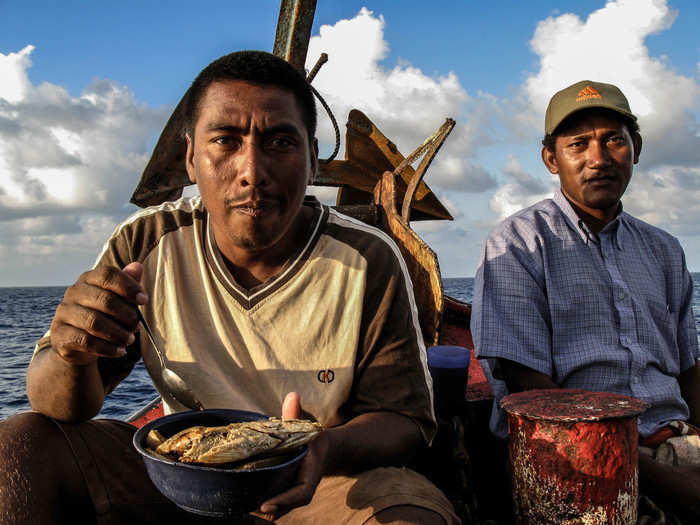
x: 294, y: 30
x: 367, y: 213
x: 165, y: 174
x: 421, y: 261
x: 367, y: 149
x: 345, y: 173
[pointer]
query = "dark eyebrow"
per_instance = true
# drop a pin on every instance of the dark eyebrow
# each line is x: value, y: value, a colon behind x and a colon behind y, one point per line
x: 576, y: 136
x: 288, y: 129
x: 225, y: 127
x: 285, y: 129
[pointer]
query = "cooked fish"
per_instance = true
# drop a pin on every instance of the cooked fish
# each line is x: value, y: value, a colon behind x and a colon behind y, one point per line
x: 154, y: 438
x: 270, y: 461
x: 232, y: 445
x: 181, y: 442
x: 238, y: 441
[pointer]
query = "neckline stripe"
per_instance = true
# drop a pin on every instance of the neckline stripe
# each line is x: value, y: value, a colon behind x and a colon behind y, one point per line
x: 218, y: 259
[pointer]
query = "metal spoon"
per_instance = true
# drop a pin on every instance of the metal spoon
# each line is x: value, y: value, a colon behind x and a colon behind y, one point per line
x: 178, y: 389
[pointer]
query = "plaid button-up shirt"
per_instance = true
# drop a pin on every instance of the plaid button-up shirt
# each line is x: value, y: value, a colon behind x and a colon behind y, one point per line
x: 610, y: 312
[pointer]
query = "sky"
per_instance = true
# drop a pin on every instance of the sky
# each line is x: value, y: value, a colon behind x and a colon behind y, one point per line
x: 86, y: 88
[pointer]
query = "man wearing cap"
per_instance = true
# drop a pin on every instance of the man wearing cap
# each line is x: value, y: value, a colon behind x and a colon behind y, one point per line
x: 573, y: 292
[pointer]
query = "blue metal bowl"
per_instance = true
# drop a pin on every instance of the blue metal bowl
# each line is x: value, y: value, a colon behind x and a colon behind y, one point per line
x: 213, y: 491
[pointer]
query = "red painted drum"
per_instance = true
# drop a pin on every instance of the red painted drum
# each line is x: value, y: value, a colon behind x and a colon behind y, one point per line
x: 573, y: 455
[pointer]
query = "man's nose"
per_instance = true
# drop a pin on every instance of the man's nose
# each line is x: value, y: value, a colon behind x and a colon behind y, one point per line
x: 598, y: 154
x: 251, y: 169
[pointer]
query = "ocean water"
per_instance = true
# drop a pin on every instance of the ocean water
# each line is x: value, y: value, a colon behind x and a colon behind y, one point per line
x: 26, y: 313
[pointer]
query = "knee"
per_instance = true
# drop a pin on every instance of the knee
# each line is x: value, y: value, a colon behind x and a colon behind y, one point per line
x: 27, y: 437
x: 26, y: 464
x: 38, y: 473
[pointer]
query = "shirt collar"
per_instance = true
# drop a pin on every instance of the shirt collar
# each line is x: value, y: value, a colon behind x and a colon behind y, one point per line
x: 615, y: 229
x: 612, y: 228
x: 573, y: 218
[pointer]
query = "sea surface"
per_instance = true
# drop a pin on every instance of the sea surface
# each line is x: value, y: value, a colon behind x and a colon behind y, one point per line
x: 26, y: 313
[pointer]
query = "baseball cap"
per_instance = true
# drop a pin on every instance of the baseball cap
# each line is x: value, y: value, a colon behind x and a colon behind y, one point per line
x: 584, y: 95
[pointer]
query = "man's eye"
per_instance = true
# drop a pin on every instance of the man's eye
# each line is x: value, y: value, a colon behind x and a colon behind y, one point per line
x: 280, y: 143
x: 225, y: 140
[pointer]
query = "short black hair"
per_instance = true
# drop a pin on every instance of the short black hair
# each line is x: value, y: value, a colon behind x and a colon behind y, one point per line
x: 256, y: 67
x: 550, y: 139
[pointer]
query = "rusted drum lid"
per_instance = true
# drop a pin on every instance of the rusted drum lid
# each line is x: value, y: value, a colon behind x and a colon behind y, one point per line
x: 568, y: 405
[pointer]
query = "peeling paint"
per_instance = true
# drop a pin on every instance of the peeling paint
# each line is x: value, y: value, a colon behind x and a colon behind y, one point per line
x: 573, y: 457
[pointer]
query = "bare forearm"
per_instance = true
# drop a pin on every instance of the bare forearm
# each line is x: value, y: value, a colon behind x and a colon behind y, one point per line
x: 371, y: 440
x: 62, y: 390
x: 96, y: 319
x: 519, y: 377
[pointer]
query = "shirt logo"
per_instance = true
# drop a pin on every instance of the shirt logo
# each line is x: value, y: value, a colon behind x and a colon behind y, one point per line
x: 587, y: 93
x: 326, y: 376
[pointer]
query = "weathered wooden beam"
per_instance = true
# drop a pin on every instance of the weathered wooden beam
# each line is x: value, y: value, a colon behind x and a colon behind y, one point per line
x: 294, y: 31
x: 429, y: 148
x: 420, y: 259
x: 344, y: 173
x: 165, y: 174
x: 367, y: 213
x: 368, y: 150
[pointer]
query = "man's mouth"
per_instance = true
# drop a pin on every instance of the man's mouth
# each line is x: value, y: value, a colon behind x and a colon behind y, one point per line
x: 255, y: 208
x: 603, y: 179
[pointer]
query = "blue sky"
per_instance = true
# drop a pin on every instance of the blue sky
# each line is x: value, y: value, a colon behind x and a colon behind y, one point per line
x: 80, y: 111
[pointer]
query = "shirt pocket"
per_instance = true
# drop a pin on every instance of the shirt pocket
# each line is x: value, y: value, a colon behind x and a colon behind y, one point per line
x: 665, y: 322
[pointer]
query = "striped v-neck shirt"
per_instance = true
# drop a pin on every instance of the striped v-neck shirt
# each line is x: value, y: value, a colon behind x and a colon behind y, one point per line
x: 338, y: 324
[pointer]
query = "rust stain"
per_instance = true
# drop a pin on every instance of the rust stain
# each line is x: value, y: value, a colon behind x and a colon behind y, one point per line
x: 573, y: 456
x: 570, y: 404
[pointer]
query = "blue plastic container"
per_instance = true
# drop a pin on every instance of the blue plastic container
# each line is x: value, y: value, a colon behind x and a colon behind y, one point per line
x: 449, y: 368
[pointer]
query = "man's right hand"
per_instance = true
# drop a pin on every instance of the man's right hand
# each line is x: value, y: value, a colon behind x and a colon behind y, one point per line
x: 97, y: 317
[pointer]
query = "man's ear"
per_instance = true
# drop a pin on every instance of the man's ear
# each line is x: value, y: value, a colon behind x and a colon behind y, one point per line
x: 637, y: 144
x: 550, y: 160
x: 189, y: 158
x: 314, y: 161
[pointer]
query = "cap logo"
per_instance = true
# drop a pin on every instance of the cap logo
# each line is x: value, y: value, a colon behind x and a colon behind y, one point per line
x: 587, y: 93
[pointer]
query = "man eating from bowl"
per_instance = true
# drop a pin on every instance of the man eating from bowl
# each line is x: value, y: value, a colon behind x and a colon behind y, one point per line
x: 259, y: 298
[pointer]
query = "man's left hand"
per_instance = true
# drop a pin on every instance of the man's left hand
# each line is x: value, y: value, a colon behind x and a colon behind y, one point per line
x: 310, y: 470
x: 368, y: 440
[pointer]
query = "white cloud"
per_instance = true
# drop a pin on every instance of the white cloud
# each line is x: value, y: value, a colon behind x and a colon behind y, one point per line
x: 68, y: 164
x: 451, y: 206
x: 609, y: 46
x: 521, y: 190
x: 51, y: 250
x: 457, y: 247
x: 668, y: 196
x: 15, y: 83
x: 61, y: 154
x: 405, y: 104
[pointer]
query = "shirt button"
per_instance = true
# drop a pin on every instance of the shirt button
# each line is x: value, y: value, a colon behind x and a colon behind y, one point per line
x: 620, y: 295
x: 636, y: 380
